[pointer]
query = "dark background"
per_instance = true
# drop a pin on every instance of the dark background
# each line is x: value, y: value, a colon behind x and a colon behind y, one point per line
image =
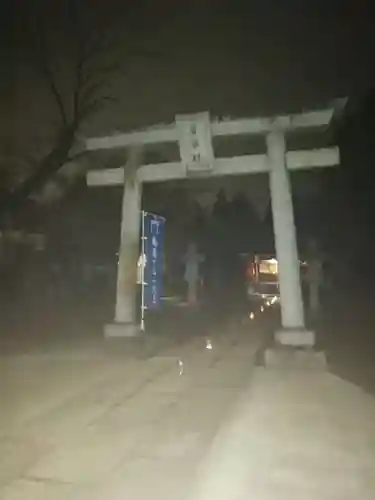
x: 231, y: 58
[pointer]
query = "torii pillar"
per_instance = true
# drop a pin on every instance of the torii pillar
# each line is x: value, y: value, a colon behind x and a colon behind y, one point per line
x: 124, y: 324
x: 194, y: 134
x: 293, y: 332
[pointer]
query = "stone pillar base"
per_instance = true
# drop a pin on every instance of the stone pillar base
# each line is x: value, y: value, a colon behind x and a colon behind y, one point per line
x: 118, y: 330
x: 295, y: 337
x: 292, y: 358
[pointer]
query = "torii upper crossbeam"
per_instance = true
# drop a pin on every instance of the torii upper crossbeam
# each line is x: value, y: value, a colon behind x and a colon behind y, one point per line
x: 194, y: 135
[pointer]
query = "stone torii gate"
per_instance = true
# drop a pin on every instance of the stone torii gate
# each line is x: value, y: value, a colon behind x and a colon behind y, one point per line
x: 194, y: 133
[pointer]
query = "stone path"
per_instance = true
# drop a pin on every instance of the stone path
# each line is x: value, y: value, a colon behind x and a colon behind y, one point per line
x: 77, y: 426
x: 193, y: 420
x: 294, y: 435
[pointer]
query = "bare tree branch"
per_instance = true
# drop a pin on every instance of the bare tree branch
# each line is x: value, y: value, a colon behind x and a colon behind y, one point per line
x: 91, y: 90
x: 79, y: 74
x: 94, y: 107
x: 47, y: 168
x: 103, y: 43
x: 44, y: 63
x: 78, y: 88
x: 105, y: 70
x: 76, y: 156
x: 96, y: 62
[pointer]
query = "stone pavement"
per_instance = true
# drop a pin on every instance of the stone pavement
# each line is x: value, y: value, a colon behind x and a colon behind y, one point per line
x: 295, y: 435
x: 92, y: 424
x: 192, y: 421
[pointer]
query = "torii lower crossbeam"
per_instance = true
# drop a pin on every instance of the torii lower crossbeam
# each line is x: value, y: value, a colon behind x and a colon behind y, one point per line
x: 277, y: 163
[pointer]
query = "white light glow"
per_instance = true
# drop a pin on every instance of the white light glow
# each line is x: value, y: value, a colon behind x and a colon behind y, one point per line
x: 209, y: 345
x: 181, y: 366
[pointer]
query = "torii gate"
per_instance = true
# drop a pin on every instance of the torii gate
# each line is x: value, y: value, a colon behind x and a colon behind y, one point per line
x: 194, y: 135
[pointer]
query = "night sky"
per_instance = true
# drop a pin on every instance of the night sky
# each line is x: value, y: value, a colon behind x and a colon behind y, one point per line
x: 233, y: 58
x: 229, y: 57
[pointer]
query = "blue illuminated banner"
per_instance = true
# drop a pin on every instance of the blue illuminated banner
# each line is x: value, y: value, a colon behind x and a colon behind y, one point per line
x: 154, y: 253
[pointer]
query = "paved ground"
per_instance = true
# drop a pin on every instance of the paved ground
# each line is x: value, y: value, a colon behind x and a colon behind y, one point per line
x: 94, y: 423
x: 168, y: 417
x: 294, y: 435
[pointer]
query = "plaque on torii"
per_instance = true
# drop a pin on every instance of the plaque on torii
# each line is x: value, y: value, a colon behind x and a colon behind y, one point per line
x: 195, y: 142
x: 194, y: 135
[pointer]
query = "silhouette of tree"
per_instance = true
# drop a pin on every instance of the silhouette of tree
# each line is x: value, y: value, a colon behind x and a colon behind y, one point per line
x: 245, y: 225
x: 266, y: 239
x: 218, y: 241
x: 352, y: 203
x: 77, y: 56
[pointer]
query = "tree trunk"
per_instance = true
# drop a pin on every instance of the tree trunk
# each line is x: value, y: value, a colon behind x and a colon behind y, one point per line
x: 49, y: 166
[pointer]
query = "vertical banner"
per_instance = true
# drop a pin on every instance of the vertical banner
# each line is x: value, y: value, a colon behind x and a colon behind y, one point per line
x: 154, y: 259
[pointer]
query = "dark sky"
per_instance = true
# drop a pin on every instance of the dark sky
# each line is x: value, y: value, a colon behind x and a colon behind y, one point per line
x: 232, y: 57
